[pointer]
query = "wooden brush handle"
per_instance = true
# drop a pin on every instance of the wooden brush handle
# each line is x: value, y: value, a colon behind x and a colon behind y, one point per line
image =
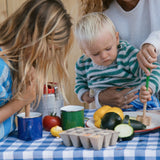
x: 144, y: 110
x: 91, y: 93
x: 27, y: 110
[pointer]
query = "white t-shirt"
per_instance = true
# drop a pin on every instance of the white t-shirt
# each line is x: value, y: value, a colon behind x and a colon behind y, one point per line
x: 138, y: 26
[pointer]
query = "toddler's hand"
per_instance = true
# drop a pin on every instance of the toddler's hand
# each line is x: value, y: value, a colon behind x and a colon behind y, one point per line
x: 145, y: 95
x: 86, y: 98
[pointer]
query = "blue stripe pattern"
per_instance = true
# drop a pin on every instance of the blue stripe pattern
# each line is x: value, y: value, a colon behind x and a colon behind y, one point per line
x: 5, y: 95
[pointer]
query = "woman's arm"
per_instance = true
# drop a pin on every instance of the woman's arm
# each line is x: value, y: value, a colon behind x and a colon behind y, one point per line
x: 154, y: 39
x: 15, y: 105
x: 28, y: 95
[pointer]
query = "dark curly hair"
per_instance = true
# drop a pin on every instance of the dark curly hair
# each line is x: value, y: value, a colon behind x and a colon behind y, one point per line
x: 106, y: 4
x: 95, y: 5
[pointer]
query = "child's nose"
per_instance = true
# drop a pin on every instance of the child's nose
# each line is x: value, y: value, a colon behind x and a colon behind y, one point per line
x: 103, y: 54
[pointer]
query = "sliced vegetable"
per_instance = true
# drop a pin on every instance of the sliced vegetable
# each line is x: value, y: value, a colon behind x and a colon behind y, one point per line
x: 126, y: 132
x: 110, y: 120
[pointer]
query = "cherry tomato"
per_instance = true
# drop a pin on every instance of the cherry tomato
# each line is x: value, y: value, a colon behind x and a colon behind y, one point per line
x: 50, y: 121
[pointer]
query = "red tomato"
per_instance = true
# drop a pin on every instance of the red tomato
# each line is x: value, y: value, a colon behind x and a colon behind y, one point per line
x: 50, y: 121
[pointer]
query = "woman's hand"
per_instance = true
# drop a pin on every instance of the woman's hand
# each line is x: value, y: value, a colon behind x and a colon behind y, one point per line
x: 86, y: 98
x: 27, y: 97
x: 146, y: 57
x: 145, y: 95
x: 116, y: 98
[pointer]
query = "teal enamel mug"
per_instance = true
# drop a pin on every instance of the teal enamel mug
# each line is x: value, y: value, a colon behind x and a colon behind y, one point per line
x: 72, y: 116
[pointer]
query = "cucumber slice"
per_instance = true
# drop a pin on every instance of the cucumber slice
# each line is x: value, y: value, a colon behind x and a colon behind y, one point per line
x: 126, y: 132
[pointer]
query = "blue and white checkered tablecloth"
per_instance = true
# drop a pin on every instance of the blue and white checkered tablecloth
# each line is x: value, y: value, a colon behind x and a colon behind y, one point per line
x: 142, y: 147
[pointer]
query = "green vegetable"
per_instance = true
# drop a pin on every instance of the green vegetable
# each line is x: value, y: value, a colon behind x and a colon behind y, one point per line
x: 126, y: 120
x: 98, y: 115
x: 110, y: 120
x: 137, y: 125
x: 126, y: 132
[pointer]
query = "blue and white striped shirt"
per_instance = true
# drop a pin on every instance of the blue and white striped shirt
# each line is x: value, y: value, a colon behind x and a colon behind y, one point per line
x: 5, y: 95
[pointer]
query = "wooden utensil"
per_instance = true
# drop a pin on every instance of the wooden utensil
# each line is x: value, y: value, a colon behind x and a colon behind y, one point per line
x: 143, y: 118
x: 21, y: 67
x: 92, y: 104
x: 27, y: 111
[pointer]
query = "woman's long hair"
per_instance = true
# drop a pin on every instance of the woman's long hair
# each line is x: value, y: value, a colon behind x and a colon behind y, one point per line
x: 37, y: 35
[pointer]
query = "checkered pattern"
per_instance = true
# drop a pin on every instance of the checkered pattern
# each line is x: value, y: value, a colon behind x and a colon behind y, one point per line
x: 142, y: 147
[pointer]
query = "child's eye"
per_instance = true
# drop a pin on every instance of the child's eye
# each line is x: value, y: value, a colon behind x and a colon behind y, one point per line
x: 108, y: 49
x: 95, y: 54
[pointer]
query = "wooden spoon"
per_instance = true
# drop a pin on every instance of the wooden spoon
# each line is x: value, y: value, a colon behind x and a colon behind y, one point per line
x: 27, y: 111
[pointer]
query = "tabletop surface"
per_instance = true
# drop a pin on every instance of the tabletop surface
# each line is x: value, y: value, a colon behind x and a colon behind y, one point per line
x: 142, y: 146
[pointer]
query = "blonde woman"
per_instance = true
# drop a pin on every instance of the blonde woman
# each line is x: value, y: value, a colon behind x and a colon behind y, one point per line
x: 34, y: 39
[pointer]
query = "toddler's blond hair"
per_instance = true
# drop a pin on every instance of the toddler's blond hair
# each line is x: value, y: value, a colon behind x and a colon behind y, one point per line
x: 90, y: 25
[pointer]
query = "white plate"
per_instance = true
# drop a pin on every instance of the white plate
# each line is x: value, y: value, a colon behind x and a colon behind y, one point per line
x: 155, y: 120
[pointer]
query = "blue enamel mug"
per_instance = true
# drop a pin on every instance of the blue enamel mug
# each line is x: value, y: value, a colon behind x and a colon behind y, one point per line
x: 30, y: 128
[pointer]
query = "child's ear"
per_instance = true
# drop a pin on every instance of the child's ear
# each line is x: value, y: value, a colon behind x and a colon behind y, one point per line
x: 84, y: 52
x: 117, y: 37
